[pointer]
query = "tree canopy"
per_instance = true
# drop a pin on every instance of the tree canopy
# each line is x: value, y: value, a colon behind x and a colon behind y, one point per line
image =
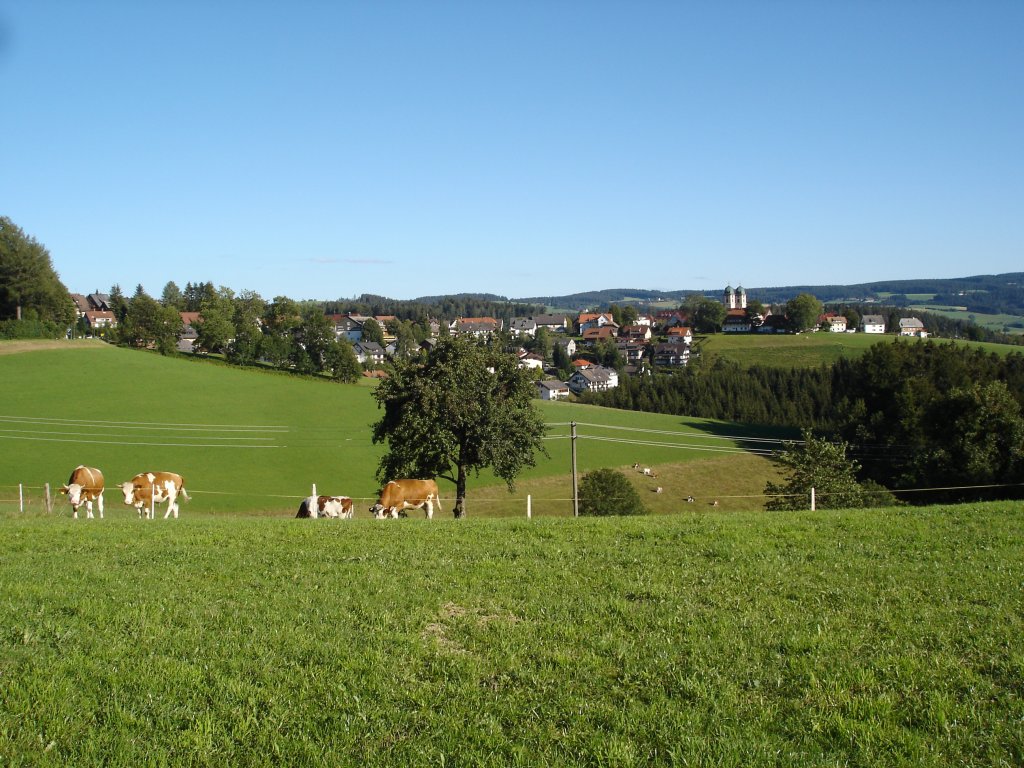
x: 822, y: 465
x: 28, y: 280
x: 466, y: 408
x: 609, y: 492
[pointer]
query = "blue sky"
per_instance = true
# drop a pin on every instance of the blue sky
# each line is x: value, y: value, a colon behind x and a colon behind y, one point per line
x: 327, y: 149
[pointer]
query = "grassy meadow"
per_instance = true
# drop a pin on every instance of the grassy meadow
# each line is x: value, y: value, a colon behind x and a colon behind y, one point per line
x: 810, y: 350
x: 866, y: 638
x: 254, y: 442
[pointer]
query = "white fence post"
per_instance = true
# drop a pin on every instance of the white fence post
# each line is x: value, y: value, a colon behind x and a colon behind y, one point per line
x: 21, y: 498
x: 529, y: 506
x: 812, y: 498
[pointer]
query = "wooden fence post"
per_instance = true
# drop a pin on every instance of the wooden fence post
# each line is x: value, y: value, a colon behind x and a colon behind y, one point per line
x: 49, y: 500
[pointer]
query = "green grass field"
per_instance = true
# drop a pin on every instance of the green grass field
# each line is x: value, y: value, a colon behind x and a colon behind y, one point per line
x: 875, y: 638
x: 999, y: 323
x: 255, y: 442
x: 809, y: 350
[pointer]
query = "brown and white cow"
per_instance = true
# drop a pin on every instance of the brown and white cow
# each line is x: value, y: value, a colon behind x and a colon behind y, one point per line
x: 84, y: 486
x: 326, y: 506
x: 147, y: 489
x: 406, y: 494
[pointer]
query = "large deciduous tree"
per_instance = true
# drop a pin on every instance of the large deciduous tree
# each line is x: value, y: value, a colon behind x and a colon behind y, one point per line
x: 28, y: 279
x: 803, y: 311
x: 465, y: 409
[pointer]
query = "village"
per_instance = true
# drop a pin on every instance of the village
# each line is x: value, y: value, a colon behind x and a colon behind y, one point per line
x: 570, y: 353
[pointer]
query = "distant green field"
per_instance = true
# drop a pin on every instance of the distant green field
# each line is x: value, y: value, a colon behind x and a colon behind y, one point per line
x: 868, y: 638
x: 810, y: 349
x: 997, y: 323
x: 249, y: 441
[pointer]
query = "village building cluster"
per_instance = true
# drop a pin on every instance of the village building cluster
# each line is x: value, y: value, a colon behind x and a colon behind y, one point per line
x: 659, y: 340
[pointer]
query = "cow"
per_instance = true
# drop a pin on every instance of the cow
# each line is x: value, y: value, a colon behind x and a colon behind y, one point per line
x: 399, y: 495
x: 84, y: 486
x: 147, y: 489
x: 326, y: 506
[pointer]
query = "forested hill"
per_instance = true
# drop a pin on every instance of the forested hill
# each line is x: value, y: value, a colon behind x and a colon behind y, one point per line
x: 981, y: 293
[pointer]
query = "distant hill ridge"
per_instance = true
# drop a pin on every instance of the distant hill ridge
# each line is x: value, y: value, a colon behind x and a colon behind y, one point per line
x: 979, y: 293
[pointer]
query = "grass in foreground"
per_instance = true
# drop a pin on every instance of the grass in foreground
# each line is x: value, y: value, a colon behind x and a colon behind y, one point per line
x: 836, y: 638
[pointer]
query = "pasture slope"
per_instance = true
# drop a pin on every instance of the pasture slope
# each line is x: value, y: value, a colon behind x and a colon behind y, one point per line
x: 866, y: 638
x: 811, y: 350
x: 251, y: 442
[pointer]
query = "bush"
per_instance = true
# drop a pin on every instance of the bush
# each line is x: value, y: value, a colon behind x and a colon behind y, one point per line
x: 609, y: 492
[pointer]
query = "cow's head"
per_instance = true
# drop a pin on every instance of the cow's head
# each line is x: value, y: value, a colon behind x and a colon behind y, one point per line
x: 128, y: 489
x: 74, y: 494
x: 377, y: 510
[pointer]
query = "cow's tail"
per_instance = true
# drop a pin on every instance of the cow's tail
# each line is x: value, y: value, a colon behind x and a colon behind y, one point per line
x: 184, y: 494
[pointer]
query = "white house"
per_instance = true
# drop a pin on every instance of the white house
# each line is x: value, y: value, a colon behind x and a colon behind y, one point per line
x: 671, y: 354
x: 369, y: 352
x: 736, y: 323
x: 569, y: 345
x: 835, y: 323
x: 348, y: 327
x: 872, y: 324
x: 596, y: 378
x: 522, y: 326
x: 588, y: 320
x: 531, y: 360
x: 552, y: 389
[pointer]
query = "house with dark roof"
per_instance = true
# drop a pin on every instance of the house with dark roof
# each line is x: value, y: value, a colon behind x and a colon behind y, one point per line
x: 481, y: 327
x: 522, y: 326
x: 369, y: 352
x: 872, y: 324
x: 554, y: 323
x: 912, y: 326
x: 671, y: 355
x: 595, y: 378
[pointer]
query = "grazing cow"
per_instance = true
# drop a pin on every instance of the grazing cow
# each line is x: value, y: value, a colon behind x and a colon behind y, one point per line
x: 147, y: 489
x: 85, y: 485
x: 398, y: 495
x: 326, y: 506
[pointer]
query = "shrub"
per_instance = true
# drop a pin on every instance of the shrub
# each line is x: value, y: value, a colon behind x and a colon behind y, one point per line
x: 609, y: 492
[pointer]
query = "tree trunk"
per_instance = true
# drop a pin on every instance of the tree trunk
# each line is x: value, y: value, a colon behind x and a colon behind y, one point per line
x: 460, y: 493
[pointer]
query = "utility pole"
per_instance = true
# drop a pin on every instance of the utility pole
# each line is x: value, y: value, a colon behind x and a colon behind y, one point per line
x: 575, y: 484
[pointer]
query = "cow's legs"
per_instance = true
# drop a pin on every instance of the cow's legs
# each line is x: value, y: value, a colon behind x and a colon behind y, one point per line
x: 428, y: 507
x: 74, y: 511
x: 99, y: 504
x: 88, y: 509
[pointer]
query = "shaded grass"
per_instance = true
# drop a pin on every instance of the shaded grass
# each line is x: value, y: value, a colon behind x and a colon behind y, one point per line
x: 835, y: 638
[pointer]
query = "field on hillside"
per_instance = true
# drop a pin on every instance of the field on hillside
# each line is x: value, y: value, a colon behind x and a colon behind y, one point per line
x: 877, y: 638
x: 1011, y: 324
x: 810, y: 350
x: 255, y: 442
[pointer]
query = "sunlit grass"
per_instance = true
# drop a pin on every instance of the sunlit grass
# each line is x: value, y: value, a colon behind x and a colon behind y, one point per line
x: 890, y: 637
